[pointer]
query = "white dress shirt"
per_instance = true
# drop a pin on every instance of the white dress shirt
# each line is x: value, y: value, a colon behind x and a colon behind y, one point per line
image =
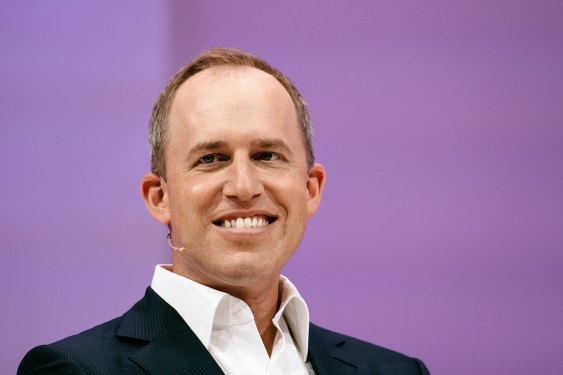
x: 225, y: 326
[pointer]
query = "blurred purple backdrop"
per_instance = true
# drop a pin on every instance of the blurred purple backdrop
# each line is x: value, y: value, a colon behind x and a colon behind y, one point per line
x: 440, y: 124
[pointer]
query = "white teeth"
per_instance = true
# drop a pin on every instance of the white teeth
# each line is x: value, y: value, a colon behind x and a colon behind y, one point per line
x: 240, y: 223
x: 246, y: 222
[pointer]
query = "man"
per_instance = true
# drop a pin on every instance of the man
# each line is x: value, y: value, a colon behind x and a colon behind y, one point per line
x: 234, y: 179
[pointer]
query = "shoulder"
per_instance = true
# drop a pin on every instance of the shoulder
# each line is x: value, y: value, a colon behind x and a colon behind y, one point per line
x: 353, y: 344
x: 365, y: 354
x: 106, y: 348
x: 78, y: 354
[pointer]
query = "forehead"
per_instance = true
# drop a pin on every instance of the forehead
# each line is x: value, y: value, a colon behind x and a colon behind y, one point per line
x: 220, y: 98
x: 226, y: 86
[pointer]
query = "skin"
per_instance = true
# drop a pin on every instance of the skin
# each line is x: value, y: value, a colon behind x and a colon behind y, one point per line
x: 235, y: 149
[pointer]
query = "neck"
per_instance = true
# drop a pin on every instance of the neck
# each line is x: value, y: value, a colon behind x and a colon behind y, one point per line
x: 262, y: 297
x: 264, y: 304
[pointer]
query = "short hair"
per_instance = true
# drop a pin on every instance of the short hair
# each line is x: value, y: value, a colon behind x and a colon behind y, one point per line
x: 224, y: 57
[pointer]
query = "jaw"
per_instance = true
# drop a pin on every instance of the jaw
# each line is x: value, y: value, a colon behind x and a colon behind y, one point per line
x: 230, y: 258
x: 241, y: 269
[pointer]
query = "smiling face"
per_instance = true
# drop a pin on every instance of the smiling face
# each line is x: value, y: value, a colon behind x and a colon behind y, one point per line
x: 238, y: 191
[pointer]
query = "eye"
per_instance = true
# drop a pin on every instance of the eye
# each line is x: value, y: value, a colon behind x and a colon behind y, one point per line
x: 211, y: 158
x: 267, y: 156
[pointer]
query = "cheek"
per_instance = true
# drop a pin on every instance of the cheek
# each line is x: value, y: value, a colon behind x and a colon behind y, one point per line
x: 293, y: 192
x: 296, y: 186
x: 181, y: 198
x: 197, y: 187
x: 195, y: 199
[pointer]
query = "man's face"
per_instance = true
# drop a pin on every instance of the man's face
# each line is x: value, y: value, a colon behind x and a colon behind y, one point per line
x: 238, y: 192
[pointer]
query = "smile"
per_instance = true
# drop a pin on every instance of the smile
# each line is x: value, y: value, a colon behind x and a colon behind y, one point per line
x: 257, y: 221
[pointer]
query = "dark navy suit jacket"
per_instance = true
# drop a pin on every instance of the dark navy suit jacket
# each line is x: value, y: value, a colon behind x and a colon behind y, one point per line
x: 152, y: 338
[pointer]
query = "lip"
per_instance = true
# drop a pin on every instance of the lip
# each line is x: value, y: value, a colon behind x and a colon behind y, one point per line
x: 230, y: 215
x: 241, y: 233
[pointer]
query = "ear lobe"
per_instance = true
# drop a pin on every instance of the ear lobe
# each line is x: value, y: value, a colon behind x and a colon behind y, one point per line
x: 315, y: 186
x: 155, y: 194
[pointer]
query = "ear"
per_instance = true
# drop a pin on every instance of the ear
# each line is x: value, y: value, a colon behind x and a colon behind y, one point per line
x: 315, y: 185
x: 155, y: 195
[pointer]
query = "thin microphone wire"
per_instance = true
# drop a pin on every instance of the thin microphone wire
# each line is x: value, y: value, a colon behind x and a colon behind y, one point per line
x: 180, y: 249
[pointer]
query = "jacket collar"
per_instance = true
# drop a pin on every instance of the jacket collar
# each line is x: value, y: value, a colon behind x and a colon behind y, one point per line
x: 328, y: 357
x: 202, y: 307
x: 171, y: 346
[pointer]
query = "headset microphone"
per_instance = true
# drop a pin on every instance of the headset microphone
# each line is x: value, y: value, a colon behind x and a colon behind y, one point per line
x: 180, y: 249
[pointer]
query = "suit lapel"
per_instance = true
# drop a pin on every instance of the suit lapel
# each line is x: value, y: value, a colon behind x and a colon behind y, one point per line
x: 327, y: 358
x: 168, y: 346
x: 177, y: 351
x: 172, y: 346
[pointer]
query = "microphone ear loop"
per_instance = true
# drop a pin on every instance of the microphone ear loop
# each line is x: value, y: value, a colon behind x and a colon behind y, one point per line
x: 179, y: 249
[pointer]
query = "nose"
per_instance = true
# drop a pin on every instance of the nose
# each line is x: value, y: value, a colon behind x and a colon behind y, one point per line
x: 242, y: 181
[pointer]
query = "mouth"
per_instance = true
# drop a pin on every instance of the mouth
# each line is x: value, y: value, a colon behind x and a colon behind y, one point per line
x: 255, y: 221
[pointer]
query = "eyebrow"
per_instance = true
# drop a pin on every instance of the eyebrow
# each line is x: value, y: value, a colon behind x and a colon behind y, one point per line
x: 275, y: 143
x: 271, y: 143
x: 205, y: 146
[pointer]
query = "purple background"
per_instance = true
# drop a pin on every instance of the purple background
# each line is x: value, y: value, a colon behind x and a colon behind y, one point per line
x: 440, y: 124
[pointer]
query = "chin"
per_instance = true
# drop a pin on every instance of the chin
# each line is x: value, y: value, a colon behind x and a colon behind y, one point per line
x: 246, y: 273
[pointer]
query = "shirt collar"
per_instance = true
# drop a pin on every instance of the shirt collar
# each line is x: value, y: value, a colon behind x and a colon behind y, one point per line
x: 294, y: 310
x: 195, y: 302
x: 201, y: 307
